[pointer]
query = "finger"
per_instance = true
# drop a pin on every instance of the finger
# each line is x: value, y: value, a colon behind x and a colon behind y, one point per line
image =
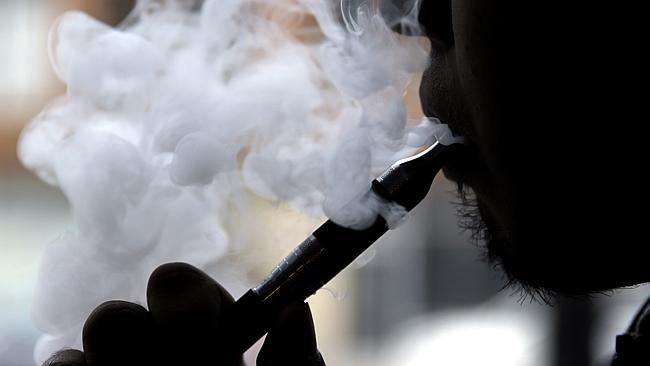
x: 119, y: 333
x: 66, y: 357
x: 292, y: 340
x: 186, y: 305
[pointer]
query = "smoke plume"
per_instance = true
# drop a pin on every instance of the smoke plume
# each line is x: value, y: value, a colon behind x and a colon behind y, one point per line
x: 175, y: 118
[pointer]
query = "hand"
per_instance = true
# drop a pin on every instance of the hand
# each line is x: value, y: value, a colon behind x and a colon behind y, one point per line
x: 181, y: 328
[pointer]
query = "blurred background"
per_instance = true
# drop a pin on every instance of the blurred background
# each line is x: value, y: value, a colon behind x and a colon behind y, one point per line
x: 422, y: 295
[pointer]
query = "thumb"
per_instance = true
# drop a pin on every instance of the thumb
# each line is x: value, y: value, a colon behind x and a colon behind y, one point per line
x: 187, y: 308
x: 66, y: 357
x: 291, y: 340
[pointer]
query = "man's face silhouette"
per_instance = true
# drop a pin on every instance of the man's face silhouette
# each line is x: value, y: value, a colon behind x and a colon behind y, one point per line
x: 530, y: 86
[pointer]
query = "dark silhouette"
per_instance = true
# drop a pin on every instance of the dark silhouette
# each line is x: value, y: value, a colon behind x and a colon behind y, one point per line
x: 182, y: 327
x: 550, y: 96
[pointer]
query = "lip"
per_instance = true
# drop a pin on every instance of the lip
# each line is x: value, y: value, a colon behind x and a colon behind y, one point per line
x: 436, y: 104
x: 434, y: 108
x: 462, y: 166
x: 439, y: 100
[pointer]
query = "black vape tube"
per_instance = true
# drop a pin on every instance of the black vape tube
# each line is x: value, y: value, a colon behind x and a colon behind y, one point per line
x: 329, y: 250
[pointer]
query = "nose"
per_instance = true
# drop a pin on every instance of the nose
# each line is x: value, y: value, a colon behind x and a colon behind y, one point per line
x: 436, y: 19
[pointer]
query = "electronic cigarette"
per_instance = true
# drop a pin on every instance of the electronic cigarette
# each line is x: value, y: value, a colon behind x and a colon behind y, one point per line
x: 330, y: 248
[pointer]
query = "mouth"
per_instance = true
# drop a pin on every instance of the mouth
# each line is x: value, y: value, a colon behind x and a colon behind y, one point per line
x: 441, y: 105
x: 463, y: 166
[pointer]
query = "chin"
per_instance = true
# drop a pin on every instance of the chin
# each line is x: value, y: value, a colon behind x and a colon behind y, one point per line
x: 549, y: 268
x: 542, y: 261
